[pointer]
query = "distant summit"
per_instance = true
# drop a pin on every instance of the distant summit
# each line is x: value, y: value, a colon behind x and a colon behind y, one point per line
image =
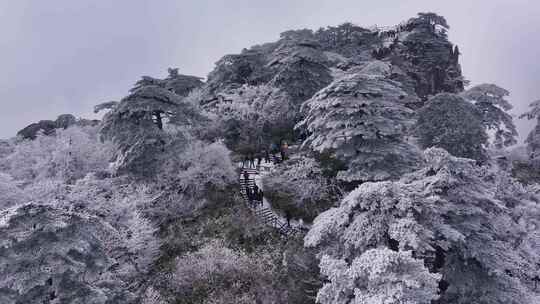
x: 304, y: 61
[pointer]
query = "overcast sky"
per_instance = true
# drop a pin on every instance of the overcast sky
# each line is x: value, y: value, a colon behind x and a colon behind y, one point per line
x: 64, y: 56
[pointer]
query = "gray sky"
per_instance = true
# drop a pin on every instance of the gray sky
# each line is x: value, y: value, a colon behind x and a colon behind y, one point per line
x: 64, y: 56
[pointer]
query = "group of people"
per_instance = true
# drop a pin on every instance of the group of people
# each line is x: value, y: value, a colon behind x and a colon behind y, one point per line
x: 254, y: 160
x: 255, y: 193
x: 250, y: 159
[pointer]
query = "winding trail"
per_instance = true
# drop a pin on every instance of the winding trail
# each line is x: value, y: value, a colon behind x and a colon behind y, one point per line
x: 262, y: 209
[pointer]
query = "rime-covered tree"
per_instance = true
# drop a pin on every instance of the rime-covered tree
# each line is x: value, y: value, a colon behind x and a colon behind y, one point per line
x: 181, y: 84
x: 363, y: 120
x: 300, y: 189
x: 46, y: 127
x: 52, y: 255
x: 490, y: 101
x: 448, y: 121
x: 220, y: 275
x: 233, y: 71
x: 453, y: 216
x: 198, y: 176
x: 250, y: 117
x: 429, y: 57
x: 67, y: 155
x: 49, y: 127
x: 136, y: 125
x: 533, y: 139
x: 107, y: 105
x: 347, y: 39
x: 65, y: 120
x: 432, y: 20
x: 84, y: 243
x: 299, y: 67
x: 377, y: 276
x: 294, y: 64
x: 11, y: 192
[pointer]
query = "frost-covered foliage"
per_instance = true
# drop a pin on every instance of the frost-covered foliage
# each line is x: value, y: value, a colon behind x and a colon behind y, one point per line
x: 533, y: 139
x: 490, y: 101
x: 251, y: 117
x: 198, y: 176
x: 51, y: 255
x: 67, y: 155
x: 181, y: 84
x: 66, y: 238
x: 295, y: 66
x: 168, y: 224
x: 382, y: 276
x: 11, y: 192
x: 121, y: 206
x: 299, y: 188
x: 216, y: 274
x: 136, y: 124
x: 300, y: 62
x: 89, y: 243
x: 200, y: 168
x: 49, y: 127
x: 460, y: 219
x: 363, y: 119
x: 426, y: 52
x: 300, y: 67
x: 448, y: 121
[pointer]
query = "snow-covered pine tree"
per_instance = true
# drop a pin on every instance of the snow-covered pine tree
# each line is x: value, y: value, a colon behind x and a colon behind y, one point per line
x: 450, y: 214
x: 490, y: 101
x: 299, y: 67
x: 448, y: 121
x: 181, y: 84
x: 300, y: 189
x: 49, y: 254
x: 363, y: 120
x: 427, y: 56
x: 136, y: 124
x: 377, y: 276
x: 250, y: 117
x: 533, y: 139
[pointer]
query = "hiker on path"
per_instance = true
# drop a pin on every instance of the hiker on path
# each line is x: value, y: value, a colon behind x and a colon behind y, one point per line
x: 261, y: 196
x: 284, y: 150
x: 266, y: 155
x: 259, y: 160
x: 246, y: 177
x: 249, y: 194
x: 255, y: 191
x: 251, y: 161
x: 273, y: 149
x: 288, y: 217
